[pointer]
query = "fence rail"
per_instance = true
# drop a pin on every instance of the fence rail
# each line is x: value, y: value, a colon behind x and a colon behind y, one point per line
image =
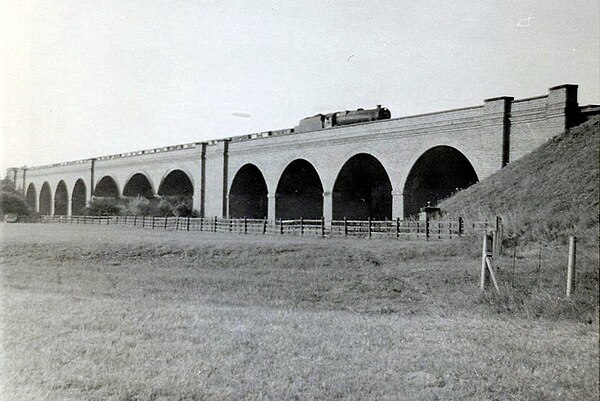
x: 399, y: 229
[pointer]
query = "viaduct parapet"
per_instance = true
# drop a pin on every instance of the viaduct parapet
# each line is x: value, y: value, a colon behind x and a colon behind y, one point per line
x: 381, y: 169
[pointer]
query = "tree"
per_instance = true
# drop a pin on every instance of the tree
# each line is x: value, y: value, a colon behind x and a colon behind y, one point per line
x: 11, y: 201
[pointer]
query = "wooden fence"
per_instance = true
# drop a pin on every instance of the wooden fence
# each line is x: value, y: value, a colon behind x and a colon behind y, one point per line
x: 400, y: 229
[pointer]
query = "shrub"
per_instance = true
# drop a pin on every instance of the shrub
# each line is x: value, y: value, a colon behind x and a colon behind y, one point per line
x: 11, y: 201
x: 140, y: 206
x: 103, y: 207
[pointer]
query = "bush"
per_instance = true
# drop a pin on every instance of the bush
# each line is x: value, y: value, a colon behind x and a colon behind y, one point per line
x: 103, y: 207
x: 11, y: 201
x: 140, y: 206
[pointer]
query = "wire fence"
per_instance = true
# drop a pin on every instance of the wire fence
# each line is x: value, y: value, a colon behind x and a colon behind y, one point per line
x: 398, y: 229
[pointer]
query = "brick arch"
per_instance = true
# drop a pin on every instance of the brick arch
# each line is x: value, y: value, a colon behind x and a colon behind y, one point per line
x: 248, y: 193
x: 176, y: 182
x: 46, y: 199
x: 362, y: 189
x: 31, y: 197
x: 299, y: 192
x: 61, y: 199
x: 107, y: 186
x: 139, y: 184
x: 78, y: 197
x: 436, y: 174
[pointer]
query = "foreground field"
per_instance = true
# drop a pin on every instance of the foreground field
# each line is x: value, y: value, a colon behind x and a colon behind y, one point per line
x: 99, y: 313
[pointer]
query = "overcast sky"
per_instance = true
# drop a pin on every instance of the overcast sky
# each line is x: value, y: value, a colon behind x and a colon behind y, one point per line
x: 84, y: 78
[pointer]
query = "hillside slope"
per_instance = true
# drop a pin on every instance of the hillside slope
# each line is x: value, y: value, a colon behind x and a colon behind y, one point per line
x: 548, y: 194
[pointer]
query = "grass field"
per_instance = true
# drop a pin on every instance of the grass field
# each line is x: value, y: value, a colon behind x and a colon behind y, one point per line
x: 115, y: 313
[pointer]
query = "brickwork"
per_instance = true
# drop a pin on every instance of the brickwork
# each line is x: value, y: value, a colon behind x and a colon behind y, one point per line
x: 489, y: 136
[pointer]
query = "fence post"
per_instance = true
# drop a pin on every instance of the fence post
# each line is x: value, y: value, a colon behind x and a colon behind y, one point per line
x: 484, y: 252
x: 166, y: 222
x: 369, y: 227
x: 215, y: 224
x: 427, y: 230
x: 345, y: 226
x: 153, y: 218
x: 281, y: 226
x: 539, y: 281
x: 265, y: 226
x: 201, y: 223
x: 245, y: 225
x: 397, y: 227
x: 460, y: 226
x: 571, y: 270
x: 323, y: 226
x: 135, y: 220
x: 498, y: 236
x: 301, y: 226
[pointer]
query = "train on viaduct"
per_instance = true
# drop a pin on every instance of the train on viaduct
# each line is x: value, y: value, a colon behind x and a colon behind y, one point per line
x: 356, y: 165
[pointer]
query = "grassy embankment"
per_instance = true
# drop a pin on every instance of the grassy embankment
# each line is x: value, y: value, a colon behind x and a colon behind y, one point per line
x: 97, y: 313
x: 543, y: 198
x: 547, y: 195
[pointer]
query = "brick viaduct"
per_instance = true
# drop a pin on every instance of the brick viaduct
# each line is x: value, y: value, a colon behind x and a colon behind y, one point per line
x: 382, y: 169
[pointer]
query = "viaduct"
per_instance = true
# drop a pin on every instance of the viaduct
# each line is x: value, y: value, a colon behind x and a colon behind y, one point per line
x: 381, y: 169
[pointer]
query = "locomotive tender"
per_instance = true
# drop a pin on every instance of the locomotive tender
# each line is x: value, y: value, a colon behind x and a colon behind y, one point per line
x: 321, y: 121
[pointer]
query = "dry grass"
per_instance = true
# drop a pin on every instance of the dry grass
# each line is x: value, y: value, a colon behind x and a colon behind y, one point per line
x: 114, y: 313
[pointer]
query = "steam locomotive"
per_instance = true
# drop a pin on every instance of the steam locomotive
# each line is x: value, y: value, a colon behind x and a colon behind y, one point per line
x: 321, y: 121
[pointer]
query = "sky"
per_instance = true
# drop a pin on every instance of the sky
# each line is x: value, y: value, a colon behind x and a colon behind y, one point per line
x: 86, y: 78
